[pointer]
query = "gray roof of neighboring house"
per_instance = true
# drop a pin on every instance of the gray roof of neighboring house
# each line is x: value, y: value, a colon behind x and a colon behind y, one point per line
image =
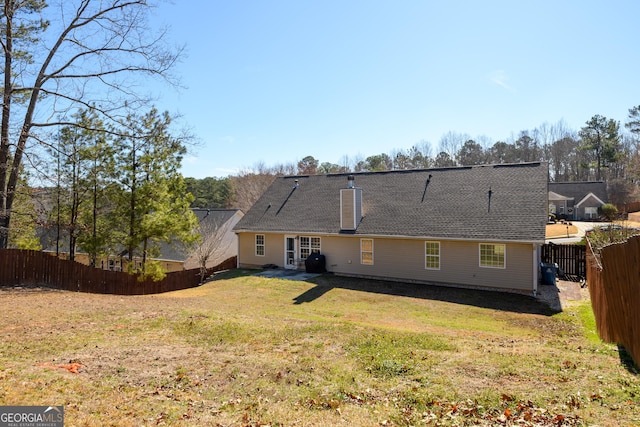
x: 213, y: 217
x: 577, y: 190
x: 173, y: 251
x: 556, y: 196
x: 455, y: 204
x: 209, y: 219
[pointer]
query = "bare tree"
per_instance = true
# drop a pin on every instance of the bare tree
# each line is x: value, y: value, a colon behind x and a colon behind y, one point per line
x: 248, y: 186
x: 421, y: 154
x: 401, y: 160
x: 451, y: 143
x: 345, y: 164
x: 68, y: 55
x: 216, y: 238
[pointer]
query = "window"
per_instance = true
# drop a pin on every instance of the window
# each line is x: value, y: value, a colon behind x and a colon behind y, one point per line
x: 309, y: 245
x: 432, y: 255
x: 259, y: 244
x: 366, y: 251
x: 492, y: 255
x: 591, y: 212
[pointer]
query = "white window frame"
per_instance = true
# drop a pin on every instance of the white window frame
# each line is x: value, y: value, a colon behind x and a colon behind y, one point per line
x: 495, y: 261
x: 310, y: 244
x: 591, y: 212
x: 260, y: 245
x: 429, y: 256
x: 363, y: 252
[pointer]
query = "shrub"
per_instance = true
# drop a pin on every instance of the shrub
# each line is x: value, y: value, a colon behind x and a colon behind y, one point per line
x: 608, y: 211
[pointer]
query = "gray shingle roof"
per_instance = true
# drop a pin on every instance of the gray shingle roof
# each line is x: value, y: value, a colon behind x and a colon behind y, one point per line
x: 577, y: 190
x: 455, y: 205
x: 209, y: 219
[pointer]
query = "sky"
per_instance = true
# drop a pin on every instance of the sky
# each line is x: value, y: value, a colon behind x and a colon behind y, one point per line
x: 271, y: 82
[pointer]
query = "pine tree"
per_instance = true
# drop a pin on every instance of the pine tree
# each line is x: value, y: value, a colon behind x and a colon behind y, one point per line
x: 153, y: 204
x: 601, y: 136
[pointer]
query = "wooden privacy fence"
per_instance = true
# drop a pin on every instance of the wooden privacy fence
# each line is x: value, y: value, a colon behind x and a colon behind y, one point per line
x: 20, y: 267
x: 614, y: 287
x: 571, y: 259
x: 629, y: 207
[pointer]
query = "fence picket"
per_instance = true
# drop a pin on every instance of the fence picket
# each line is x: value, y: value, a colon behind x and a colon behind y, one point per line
x: 22, y: 267
x: 614, y: 285
x: 571, y: 259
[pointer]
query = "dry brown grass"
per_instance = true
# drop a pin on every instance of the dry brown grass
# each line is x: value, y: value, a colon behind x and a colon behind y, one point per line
x: 560, y: 230
x: 251, y: 351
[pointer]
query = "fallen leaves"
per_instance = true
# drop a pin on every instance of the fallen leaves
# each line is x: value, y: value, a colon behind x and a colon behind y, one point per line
x: 509, y: 412
x: 74, y: 366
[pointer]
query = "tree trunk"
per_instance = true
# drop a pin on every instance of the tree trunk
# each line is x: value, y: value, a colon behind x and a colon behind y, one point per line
x: 132, y: 204
x: 94, y: 232
x: 5, y: 207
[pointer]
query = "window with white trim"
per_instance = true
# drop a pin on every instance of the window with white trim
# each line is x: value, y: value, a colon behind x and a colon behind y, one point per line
x: 492, y: 255
x: 259, y: 244
x: 308, y: 246
x: 432, y: 255
x: 591, y: 212
x: 366, y: 251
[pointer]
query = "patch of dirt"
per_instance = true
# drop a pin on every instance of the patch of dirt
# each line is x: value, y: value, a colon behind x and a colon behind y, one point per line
x: 562, y: 295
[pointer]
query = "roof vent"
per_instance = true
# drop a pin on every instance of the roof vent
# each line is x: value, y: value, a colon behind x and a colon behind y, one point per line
x: 424, y: 193
x: 351, y: 180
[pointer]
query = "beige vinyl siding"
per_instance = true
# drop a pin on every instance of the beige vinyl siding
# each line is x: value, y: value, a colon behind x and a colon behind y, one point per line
x: 273, y: 250
x: 404, y: 259
x: 350, y: 208
x: 347, y: 212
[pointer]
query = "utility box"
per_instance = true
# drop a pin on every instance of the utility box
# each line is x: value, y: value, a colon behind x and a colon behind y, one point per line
x: 315, y: 263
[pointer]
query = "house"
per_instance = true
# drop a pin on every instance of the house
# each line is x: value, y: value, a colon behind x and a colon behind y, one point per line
x: 219, y: 243
x: 577, y: 200
x: 477, y: 226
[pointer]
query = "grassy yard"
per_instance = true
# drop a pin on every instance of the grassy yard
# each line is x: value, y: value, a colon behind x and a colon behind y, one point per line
x: 560, y: 230
x: 250, y: 351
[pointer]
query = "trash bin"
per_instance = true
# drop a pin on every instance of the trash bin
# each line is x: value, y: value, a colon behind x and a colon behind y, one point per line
x: 548, y: 271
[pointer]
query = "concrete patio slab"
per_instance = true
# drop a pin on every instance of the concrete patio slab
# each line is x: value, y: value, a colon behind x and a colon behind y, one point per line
x: 287, y: 274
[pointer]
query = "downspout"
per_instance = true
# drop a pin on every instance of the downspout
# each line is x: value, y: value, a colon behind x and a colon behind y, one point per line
x: 535, y: 268
x: 237, y: 249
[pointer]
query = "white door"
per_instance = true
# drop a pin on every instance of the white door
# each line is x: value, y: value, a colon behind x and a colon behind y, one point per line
x: 290, y: 252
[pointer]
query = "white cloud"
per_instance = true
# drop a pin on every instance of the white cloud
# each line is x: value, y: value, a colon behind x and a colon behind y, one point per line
x: 501, y: 78
x: 222, y: 172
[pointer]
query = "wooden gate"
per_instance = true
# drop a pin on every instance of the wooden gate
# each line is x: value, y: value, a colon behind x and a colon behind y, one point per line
x: 571, y: 259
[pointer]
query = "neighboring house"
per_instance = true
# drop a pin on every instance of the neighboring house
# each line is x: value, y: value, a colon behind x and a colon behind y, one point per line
x: 479, y: 226
x: 577, y: 200
x: 219, y: 244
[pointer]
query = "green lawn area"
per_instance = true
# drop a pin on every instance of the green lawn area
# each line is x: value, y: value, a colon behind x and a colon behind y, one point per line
x: 250, y: 351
